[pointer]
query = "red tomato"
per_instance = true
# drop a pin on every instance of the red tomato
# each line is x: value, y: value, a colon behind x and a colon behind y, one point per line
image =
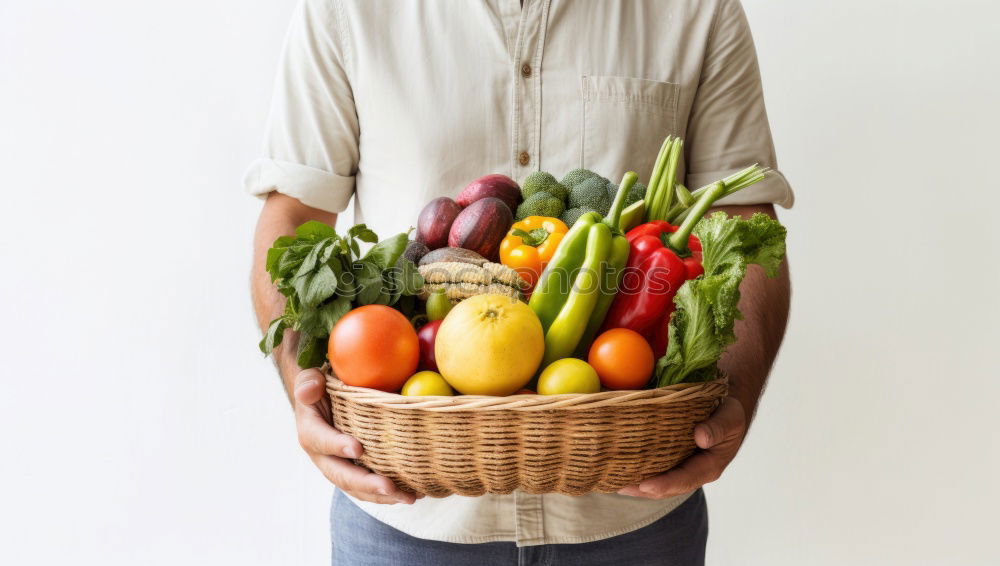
x: 426, y: 335
x: 374, y: 346
x: 622, y: 359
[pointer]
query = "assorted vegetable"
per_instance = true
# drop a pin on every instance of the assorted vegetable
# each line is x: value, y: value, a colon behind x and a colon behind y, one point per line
x: 595, y: 284
x: 458, y: 280
x: 530, y: 245
x: 374, y: 346
x: 324, y: 275
x: 662, y: 257
x: 427, y: 336
x: 438, y: 304
x: 622, y: 359
x: 480, y: 227
x: 580, y: 191
x: 577, y: 287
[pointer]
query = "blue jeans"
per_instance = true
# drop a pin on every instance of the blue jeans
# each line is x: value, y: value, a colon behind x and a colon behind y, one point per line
x: 678, y: 539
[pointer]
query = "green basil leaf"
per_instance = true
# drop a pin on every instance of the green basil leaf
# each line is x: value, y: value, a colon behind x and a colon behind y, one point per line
x: 408, y: 277
x: 363, y: 233
x: 310, y: 353
x: 347, y: 286
x: 407, y: 304
x: 271, y: 263
x: 328, y: 251
x: 310, y: 322
x: 283, y: 242
x: 331, y: 312
x: 368, y: 278
x: 386, y: 252
x: 392, y: 286
x: 315, y: 230
x: 288, y: 263
x: 272, y: 338
x: 316, y: 287
x: 312, y: 259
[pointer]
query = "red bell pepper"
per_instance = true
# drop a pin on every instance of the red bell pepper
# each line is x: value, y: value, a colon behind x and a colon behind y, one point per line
x: 662, y: 257
x: 653, y: 275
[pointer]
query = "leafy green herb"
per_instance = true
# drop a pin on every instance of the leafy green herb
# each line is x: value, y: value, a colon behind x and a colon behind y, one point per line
x: 706, y: 308
x: 324, y: 276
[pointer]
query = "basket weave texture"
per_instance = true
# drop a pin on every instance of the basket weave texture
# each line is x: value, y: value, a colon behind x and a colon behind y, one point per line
x: 569, y: 444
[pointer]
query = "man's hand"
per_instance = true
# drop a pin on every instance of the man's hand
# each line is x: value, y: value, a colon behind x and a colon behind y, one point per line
x: 719, y: 438
x: 331, y: 449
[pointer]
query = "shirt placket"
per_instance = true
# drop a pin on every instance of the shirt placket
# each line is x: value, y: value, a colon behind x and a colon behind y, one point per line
x: 525, y: 71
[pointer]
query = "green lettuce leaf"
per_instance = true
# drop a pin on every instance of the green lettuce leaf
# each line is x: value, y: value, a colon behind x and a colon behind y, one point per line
x: 706, y: 308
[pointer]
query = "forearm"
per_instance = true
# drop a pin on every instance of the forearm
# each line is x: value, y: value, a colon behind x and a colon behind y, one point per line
x: 764, y: 303
x: 279, y: 217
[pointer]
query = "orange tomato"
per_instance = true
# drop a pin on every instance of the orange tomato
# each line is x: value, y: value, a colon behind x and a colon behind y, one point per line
x: 623, y: 359
x: 374, y: 346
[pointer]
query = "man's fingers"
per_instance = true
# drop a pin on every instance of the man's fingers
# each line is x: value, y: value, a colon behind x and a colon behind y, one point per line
x: 361, y: 483
x: 317, y: 436
x: 719, y: 437
x: 691, y: 474
x: 309, y: 386
x: 328, y: 447
x: 727, y: 423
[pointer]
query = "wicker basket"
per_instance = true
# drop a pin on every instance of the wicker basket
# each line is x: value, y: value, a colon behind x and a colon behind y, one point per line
x: 569, y: 444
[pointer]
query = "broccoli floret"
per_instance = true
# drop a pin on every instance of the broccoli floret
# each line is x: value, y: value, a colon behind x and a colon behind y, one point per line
x: 540, y: 181
x: 540, y: 204
x: 637, y: 193
x: 577, y: 176
x: 591, y: 194
x: 571, y: 215
x: 612, y: 190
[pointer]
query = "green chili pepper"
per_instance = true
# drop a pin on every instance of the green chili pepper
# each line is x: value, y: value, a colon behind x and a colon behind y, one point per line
x: 566, y: 330
x: 592, y: 256
x: 609, y: 287
x: 554, y: 284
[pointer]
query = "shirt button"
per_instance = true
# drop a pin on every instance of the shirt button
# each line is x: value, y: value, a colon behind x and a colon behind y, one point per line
x: 523, y: 158
x: 525, y: 70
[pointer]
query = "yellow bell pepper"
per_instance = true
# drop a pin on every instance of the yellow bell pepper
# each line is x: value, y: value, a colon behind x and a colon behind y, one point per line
x: 529, y: 246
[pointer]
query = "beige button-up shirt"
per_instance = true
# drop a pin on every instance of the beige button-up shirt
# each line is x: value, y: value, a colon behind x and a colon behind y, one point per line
x: 394, y: 103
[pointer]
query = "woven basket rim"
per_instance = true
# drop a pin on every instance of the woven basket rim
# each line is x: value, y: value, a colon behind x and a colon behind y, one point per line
x: 535, y: 402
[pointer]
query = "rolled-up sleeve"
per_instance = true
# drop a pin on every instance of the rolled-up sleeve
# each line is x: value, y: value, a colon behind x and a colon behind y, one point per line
x: 311, y: 143
x: 728, y: 128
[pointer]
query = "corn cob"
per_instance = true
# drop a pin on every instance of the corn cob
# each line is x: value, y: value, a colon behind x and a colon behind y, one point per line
x: 463, y: 280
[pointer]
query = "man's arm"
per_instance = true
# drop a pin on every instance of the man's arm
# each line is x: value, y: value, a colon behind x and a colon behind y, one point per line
x: 764, y: 303
x: 328, y: 448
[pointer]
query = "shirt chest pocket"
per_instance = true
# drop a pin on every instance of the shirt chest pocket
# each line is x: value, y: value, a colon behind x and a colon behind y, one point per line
x: 624, y: 122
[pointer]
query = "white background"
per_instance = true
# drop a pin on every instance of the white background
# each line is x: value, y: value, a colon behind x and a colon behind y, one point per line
x: 140, y: 425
